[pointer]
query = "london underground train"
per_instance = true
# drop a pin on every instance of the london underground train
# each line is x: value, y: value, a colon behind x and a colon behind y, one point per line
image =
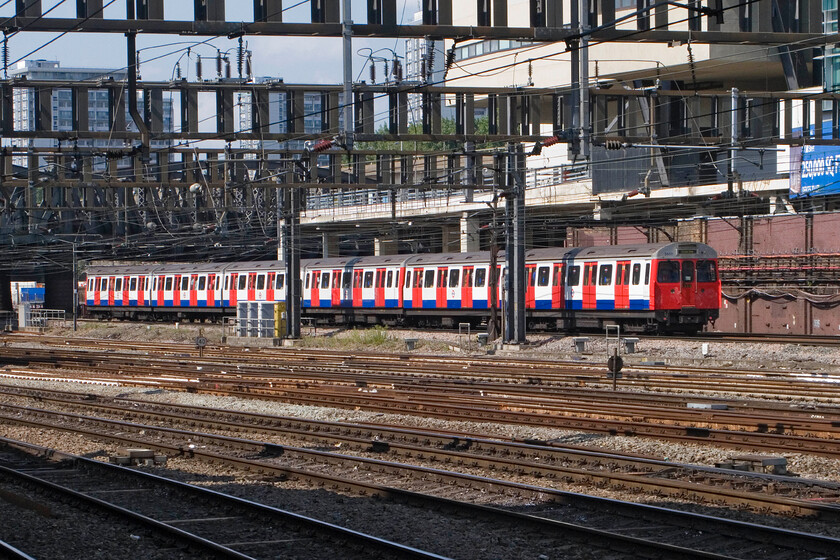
x: 645, y: 287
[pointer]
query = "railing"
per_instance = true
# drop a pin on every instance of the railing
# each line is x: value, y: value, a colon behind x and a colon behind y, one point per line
x: 237, y: 327
x: 43, y: 318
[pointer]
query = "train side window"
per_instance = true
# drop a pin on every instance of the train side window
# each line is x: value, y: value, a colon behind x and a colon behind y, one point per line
x: 574, y: 276
x: 468, y: 277
x: 243, y: 279
x: 379, y: 281
x: 227, y: 282
x: 261, y: 282
x: 90, y: 284
x: 278, y: 283
x: 454, y: 278
x: 442, y: 278
x: 155, y: 284
x: 418, y: 278
x: 706, y: 271
x: 132, y: 285
x: 390, y: 278
x: 325, y: 280
x: 118, y: 287
x: 605, y: 276
x: 637, y: 274
x: 625, y: 278
x: 429, y: 281
x: 647, y: 274
x: 555, y: 281
x: 281, y: 280
x: 668, y: 272
x: 168, y: 284
x: 532, y: 274
x: 192, y: 283
x: 480, y: 277
x: 543, y: 275
x: 357, y: 278
x: 336, y: 280
x: 308, y: 274
x: 185, y: 284
x: 202, y: 283
x: 218, y: 281
x: 369, y: 279
x: 252, y: 281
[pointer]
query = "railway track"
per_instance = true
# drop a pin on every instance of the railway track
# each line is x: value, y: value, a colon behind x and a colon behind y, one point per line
x: 209, y: 523
x: 622, y: 529
x: 704, y: 485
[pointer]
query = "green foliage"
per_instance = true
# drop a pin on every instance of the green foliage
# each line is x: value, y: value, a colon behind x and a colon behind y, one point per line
x: 447, y: 126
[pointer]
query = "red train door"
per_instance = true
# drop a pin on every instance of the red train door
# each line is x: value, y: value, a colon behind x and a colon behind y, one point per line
x: 400, y: 285
x: 590, y: 278
x: 688, y: 286
x: 252, y: 286
x: 357, y: 288
x: 417, y: 289
x: 194, y: 290
x: 234, y: 278
x: 176, y: 291
x: 379, y: 288
x: 111, y: 282
x: 125, y: 300
x: 211, y: 290
x: 141, y: 290
x: 466, y: 287
x: 315, y: 293
x: 160, y: 295
x: 440, y: 291
x: 557, y: 299
x: 622, y: 285
x: 336, y: 288
x: 530, y: 280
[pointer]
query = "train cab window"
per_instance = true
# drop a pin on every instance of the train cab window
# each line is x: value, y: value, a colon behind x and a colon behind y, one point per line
x: 308, y: 275
x: 202, y: 283
x: 442, y: 278
x: 390, y: 278
x: 647, y: 274
x: 706, y: 271
x: 185, y: 284
x: 325, y: 280
x: 132, y: 285
x: 668, y: 272
x: 688, y: 271
x: 261, y: 282
x: 574, y: 276
x: 480, y: 277
x: 429, y: 281
x: 605, y: 275
x: 243, y: 279
x: 118, y: 287
x: 637, y: 274
x: 454, y: 277
x: 369, y: 279
x: 281, y: 279
x: 168, y: 284
x: 468, y: 277
x: 543, y: 274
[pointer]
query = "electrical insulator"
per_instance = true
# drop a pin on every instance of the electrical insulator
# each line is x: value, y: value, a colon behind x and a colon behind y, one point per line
x: 322, y: 146
x: 137, y: 64
x: 248, y: 68
x: 372, y: 72
x: 219, y: 63
x: 178, y: 70
x: 613, y: 144
x: 450, y: 57
x: 6, y: 55
x: 227, y: 68
x: 423, y: 70
x: 385, y: 70
x: 395, y: 74
x: 198, y: 69
x: 240, y: 57
x: 551, y: 141
x: 399, y: 71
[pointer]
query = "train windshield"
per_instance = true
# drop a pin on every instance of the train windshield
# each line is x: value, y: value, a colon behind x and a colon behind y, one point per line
x: 668, y: 272
x: 706, y: 271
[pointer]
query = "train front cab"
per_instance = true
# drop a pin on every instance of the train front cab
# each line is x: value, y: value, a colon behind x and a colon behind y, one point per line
x: 686, y: 288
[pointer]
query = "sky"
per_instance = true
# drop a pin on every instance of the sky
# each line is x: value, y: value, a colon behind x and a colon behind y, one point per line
x: 295, y: 59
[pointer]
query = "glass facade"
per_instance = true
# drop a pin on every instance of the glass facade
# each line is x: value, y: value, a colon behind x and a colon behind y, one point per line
x: 832, y: 53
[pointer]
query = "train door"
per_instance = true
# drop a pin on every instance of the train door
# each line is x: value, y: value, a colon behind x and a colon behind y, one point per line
x: 269, y: 287
x: 357, y: 288
x: 210, y: 290
x: 252, y: 286
x: 530, y: 286
x: 453, y: 292
x: 417, y: 289
x: 335, y: 294
x: 231, y: 289
x: 379, y: 288
x: 109, y: 287
x: 467, y: 274
x: 126, y: 293
x: 185, y: 290
x: 401, y: 281
x: 280, y: 287
x: 141, y: 291
x: 622, y: 285
x: 176, y: 291
x: 347, y: 288
x: 441, y: 287
x: 557, y: 277
x: 688, y: 285
x: 392, y: 277
x: 590, y: 280
x: 260, y: 291
x: 194, y: 291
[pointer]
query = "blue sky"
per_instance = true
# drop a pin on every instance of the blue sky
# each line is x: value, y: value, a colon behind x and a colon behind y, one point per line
x: 295, y: 59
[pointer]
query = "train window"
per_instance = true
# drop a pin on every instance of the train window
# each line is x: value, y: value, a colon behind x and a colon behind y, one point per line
x: 468, y: 277
x: 454, y: 277
x: 430, y: 279
x: 480, y: 277
x: 118, y: 287
x: 442, y: 277
x: 706, y: 271
x: 357, y: 278
x: 637, y: 274
x: 261, y: 282
x: 90, y: 284
x: 418, y: 278
x: 243, y: 279
x: 252, y: 281
x: 668, y: 272
x: 325, y: 280
x: 543, y: 275
x: 281, y: 280
x: 390, y: 278
x: 202, y: 283
x: 625, y: 274
x: 227, y: 282
x: 347, y: 280
x: 647, y: 274
x: 132, y: 285
x: 167, y: 286
x: 688, y: 271
x: 574, y: 276
x: 192, y: 283
x: 558, y: 276
x: 605, y: 275
x: 185, y: 284
x: 369, y: 279
x: 336, y: 280
x: 532, y: 273
x: 308, y: 274
x: 155, y: 284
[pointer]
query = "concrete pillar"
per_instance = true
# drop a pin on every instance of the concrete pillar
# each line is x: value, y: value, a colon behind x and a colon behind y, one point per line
x: 383, y: 246
x: 449, y: 238
x: 329, y: 245
x: 58, y: 291
x: 470, y: 239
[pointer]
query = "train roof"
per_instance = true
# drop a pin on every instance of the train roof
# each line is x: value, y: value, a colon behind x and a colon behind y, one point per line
x: 652, y: 250
x: 344, y: 262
